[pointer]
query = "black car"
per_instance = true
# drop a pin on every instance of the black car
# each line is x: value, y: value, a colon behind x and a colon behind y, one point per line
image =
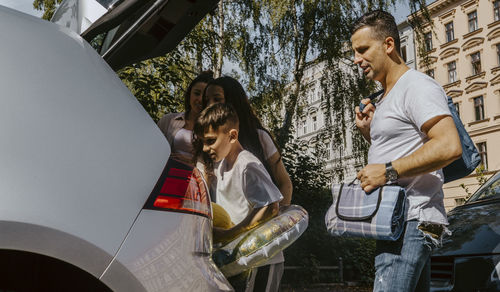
x: 469, y: 259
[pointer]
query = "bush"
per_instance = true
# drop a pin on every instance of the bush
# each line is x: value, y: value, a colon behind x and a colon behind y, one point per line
x: 317, y: 247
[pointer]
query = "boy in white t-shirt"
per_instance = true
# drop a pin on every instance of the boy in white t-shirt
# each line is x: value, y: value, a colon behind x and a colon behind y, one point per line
x: 244, y: 188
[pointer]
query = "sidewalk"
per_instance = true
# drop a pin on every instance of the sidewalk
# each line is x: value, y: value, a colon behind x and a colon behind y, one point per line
x: 327, y: 288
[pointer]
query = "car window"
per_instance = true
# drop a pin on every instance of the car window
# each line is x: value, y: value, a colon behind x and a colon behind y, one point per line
x: 107, y: 3
x: 103, y: 40
x: 489, y: 190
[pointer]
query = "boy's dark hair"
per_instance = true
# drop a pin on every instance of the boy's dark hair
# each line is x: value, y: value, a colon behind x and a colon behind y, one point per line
x: 383, y: 24
x: 216, y: 116
x: 235, y: 95
x: 205, y: 77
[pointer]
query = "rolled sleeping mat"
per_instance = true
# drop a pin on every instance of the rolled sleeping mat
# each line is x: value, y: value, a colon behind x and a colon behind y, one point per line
x: 256, y: 246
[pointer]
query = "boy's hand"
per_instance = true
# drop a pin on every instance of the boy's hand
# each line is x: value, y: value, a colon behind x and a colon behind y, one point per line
x: 253, y: 219
x: 221, y: 235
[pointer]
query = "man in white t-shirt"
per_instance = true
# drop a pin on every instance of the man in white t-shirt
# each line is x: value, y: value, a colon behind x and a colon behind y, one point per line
x: 244, y: 188
x: 412, y: 138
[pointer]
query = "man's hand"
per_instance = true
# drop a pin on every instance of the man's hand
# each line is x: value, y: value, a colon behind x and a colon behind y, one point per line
x: 364, y: 118
x: 372, y: 176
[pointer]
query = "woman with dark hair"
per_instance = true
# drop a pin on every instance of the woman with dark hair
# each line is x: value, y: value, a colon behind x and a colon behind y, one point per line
x: 254, y: 138
x: 178, y: 127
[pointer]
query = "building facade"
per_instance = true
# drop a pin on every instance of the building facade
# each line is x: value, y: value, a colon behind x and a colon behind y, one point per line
x: 408, y: 51
x: 312, y: 131
x: 463, y: 52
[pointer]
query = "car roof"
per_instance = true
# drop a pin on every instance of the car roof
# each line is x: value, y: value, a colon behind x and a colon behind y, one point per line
x: 130, y: 31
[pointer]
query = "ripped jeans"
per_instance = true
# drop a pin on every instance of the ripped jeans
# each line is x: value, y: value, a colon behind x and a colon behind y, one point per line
x: 404, y: 265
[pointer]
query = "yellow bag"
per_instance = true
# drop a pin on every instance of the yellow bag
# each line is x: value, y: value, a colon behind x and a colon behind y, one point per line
x: 221, y: 218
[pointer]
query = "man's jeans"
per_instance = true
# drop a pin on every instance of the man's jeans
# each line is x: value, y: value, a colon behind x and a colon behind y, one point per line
x: 404, y: 265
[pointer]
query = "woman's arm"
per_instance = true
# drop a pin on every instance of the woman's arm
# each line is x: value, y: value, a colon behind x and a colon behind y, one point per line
x: 281, y: 177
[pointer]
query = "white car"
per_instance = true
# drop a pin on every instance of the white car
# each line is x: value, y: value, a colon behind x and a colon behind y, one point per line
x: 87, y: 199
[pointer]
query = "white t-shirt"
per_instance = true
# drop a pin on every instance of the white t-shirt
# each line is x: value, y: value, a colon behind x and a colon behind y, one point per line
x: 266, y: 141
x: 395, y: 132
x: 245, y: 186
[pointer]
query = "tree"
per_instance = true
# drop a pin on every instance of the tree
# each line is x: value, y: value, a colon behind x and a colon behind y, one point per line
x: 47, y: 6
x: 316, y: 247
x: 159, y: 83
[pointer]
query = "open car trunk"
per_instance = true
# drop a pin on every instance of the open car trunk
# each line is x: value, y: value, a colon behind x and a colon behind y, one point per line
x: 129, y: 31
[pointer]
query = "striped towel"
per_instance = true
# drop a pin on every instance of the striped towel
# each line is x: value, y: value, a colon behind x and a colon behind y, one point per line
x: 378, y: 215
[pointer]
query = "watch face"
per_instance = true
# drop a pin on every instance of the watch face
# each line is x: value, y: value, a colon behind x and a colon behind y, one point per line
x: 392, y: 175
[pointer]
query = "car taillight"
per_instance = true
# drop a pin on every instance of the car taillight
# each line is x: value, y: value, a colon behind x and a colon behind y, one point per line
x: 181, y: 188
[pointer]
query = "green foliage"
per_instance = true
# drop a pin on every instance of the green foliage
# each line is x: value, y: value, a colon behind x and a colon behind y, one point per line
x: 47, y: 6
x: 480, y: 177
x: 316, y: 247
x: 159, y: 83
x: 421, y: 23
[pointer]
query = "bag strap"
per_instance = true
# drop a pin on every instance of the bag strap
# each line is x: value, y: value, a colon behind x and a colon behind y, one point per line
x: 346, y: 218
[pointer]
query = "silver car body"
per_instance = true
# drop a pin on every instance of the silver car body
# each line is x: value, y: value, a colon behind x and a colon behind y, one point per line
x: 79, y: 158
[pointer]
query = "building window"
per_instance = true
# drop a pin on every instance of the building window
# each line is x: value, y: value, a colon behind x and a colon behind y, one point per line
x: 481, y: 147
x: 457, y: 108
x: 304, y: 127
x: 452, y: 72
x: 428, y: 41
x: 496, y: 10
x: 430, y: 72
x: 315, y: 123
x: 498, y: 54
x: 472, y: 21
x: 450, y: 35
x: 403, y: 53
x: 476, y: 63
x: 479, y: 108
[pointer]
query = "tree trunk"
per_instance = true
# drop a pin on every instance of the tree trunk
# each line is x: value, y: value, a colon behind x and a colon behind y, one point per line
x: 220, y: 46
x: 301, y: 46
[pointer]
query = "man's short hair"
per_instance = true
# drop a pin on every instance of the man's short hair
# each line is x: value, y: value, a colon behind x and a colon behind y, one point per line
x: 216, y: 116
x: 383, y: 24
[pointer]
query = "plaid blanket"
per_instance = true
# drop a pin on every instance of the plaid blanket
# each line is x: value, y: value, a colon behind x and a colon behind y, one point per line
x: 378, y: 215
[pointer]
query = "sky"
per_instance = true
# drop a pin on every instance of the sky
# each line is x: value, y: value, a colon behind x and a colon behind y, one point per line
x: 400, y: 12
x: 25, y: 6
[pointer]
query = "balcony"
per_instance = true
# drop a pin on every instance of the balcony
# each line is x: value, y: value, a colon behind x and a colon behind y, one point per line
x: 452, y: 84
x: 472, y: 33
x: 476, y: 76
x: 479, y: 122
x: 495, y: 69
x: 448, y: 43
x: 493, y: 24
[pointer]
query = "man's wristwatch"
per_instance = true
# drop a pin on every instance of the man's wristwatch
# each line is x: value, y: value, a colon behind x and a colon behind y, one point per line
x: 391, y: 175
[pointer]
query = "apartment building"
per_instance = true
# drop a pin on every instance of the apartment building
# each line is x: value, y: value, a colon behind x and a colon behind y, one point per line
x: 463, y: 50
x: 311, y: 128
x: 408, y: 50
